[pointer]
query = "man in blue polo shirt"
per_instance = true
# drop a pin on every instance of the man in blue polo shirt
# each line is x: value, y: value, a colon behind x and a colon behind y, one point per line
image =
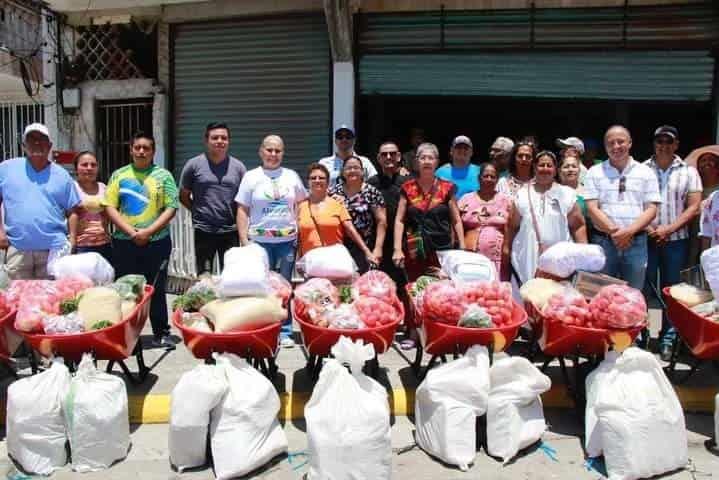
x: 461, y: 172
x: 36, y: 196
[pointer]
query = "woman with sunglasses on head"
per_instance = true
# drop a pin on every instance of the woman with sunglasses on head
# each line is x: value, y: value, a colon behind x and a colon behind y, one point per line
x: 365, y: 205
x: 543, y: 214
x: 521, y: 168
x: 322, y: 220
x: 89, y: 225
x: 485, y: 217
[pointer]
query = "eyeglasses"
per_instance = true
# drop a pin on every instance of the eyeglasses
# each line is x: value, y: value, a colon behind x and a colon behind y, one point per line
x: 344, y: 137
x: 318, y: 177
x: 622, y: 184
x: 664, y: 141
x: 388, y: 154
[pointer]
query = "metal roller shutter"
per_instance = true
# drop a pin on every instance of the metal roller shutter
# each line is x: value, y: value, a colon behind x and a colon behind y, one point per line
x: 617, y: 75
x: 261, y: 76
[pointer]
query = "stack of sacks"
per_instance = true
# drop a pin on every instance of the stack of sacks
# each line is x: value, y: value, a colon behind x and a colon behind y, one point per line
x: 447, y: 404
x: 515, y: 417
x: 247, y: 295
x: 634, y: 417
x: 239, y: 408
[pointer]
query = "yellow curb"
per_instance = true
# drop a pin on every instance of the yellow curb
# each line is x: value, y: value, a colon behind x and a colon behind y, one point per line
x: 156, y: 408
x: 146, y: 409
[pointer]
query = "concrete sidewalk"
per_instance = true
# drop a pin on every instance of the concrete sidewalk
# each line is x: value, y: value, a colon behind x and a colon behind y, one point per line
x: 148, y: 457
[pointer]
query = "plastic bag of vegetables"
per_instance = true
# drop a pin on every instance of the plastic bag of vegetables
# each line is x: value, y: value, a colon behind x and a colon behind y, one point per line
x: 618, y: 306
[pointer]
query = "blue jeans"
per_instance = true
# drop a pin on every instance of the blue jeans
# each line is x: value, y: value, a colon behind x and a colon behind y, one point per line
x: 282, y: 260
x: 665, y: 262
x: 630, y: 265
x: 147, y: 260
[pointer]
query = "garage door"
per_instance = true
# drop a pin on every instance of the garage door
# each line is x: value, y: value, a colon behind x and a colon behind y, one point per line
x: 261, y: 76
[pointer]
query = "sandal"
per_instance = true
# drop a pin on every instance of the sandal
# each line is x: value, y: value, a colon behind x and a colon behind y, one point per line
x: 407, y: 344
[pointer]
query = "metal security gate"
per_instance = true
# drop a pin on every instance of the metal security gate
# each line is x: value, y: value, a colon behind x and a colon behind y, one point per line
x: 117, y: 122
x: 14, y: 117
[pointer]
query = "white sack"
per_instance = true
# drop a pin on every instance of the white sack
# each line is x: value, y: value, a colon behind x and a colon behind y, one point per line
x: 515, y: 417
x: 334, y: 262
x: 348, y: 429
x: 640, y: 419
x: 467, y: 266
x: 447, y: 404
x: 249, y: 279
x: 195, y: 395
x: 247, y: 254
x: 710, y: 265
x: 244, y: 431
x: 35, y: 427
x: 90, y: 264
x: 716, y: 419
x: 594, y: 383
x: 564, y: 258
x: 96, y: 418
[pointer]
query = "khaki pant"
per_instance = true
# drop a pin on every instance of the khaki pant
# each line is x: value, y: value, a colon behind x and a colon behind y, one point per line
x: 27, y: 264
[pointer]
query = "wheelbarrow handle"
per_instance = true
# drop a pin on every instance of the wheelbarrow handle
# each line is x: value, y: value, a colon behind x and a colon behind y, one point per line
x: 163, y: 266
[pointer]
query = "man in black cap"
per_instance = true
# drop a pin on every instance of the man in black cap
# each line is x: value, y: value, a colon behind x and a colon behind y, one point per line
x: 345, y: 143
x: 680, y: 188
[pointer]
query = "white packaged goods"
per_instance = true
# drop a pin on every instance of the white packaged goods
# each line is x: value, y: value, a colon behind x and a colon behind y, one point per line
x: 246, y: 313
x: 90, y: 264
x: 247, y: 254
x: 96, y: 417
x: 348, y: 429
x: 244, y: 431
x: 564, y: 258
x: 640, y: 421
x: 710, y: 265
x: 716, y: 419
x: 447, y: 404
x: 35, y: 428
x: 538, y: 291
x: 467, y: 266
x: 595, y: 382
x: 246, y: 272
x: 99, y: 304
x: 193, y: 398
x: 333, y: 262
x: 515, y: 417
x: 690, y: 295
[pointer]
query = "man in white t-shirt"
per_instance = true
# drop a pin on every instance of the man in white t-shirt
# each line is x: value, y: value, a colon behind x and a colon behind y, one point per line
x: 345, y: 143
x: 622, y: 197
x: 266, y: 212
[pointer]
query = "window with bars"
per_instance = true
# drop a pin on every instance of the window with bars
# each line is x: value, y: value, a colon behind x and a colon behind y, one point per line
x: 118, y: 120
x: 14, y: 117
x: 116, y: 52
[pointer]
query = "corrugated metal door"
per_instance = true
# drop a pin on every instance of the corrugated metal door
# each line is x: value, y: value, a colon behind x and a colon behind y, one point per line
x: 261, y: 76
x: 633, y: 53
x: 620, y: 75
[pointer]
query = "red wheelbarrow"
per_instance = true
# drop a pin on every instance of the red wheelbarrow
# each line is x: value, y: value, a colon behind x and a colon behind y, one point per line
x: 115, y: 344
x: 440, y: 339
x: 559, y: 340
x: 259, y: 347
x: 319, y: 340
x: 697, y: 333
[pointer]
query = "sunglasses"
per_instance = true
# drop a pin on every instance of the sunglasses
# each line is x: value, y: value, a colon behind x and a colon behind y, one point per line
x: 664, y: 141
x: 344, y: 137
x: 622, y: 184
x: 388, y: 154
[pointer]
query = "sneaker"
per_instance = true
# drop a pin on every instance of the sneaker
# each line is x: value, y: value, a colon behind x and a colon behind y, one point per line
x: 665, y: 353
x: 287, y: 342
x: 163, y: 342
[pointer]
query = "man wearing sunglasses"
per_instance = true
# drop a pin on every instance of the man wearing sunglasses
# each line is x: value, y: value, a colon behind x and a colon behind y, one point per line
x: 345, y: 143
x: 681, y: 190
x: 622, y: 197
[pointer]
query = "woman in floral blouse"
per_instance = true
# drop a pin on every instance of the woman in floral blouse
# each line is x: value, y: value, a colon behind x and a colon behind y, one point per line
x: 365, y: 205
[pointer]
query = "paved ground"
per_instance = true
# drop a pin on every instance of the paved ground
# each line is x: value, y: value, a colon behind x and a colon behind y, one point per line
x: 148, y: 457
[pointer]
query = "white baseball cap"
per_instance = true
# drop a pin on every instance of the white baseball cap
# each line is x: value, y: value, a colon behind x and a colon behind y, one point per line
x: 36, y: 127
